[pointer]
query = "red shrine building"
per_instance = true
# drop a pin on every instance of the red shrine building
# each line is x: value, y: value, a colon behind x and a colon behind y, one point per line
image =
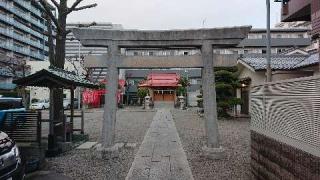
x: 162, y: 86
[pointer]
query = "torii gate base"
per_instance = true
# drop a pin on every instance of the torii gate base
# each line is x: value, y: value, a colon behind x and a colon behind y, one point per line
x: 204, y: 39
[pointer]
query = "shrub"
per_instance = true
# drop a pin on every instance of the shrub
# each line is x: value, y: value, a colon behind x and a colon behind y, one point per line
x: 142, y: 92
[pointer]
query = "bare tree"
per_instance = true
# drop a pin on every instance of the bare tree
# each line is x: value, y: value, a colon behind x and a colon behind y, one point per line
x: 60, y: 22
x: 80, y: 69
x: 57, y: 54
x: 17, y: 68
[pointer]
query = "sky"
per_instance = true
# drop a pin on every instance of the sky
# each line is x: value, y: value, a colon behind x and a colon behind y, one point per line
x: 178, y: 14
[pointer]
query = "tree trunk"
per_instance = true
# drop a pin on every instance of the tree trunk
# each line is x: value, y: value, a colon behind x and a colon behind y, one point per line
x: 59, y: 60
x: 50, y: 41
x: 60, y: 52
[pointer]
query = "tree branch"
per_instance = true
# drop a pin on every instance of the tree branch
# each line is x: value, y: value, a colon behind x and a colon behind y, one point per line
x: 75, y: 4
x: 85, y: 7
x: 46, y: 7
x: 56, y: 3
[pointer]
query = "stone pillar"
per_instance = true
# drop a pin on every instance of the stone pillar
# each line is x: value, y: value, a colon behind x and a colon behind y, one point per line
x: 212, y: 149
x: 110, y: 107
x: 238, y: 107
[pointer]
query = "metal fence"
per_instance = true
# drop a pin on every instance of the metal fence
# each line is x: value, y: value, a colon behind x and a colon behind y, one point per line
x: 288, y: 111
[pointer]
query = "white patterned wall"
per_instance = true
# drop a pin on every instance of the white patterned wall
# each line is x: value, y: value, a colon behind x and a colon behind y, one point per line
x: 288, y: 109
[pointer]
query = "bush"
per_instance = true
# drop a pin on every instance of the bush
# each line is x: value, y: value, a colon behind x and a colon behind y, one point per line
x: 142, y: 92
x: 227, y: 82
x: 181, y: 91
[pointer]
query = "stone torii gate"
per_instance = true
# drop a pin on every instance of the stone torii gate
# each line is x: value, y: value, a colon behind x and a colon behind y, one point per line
x: 204, y: 39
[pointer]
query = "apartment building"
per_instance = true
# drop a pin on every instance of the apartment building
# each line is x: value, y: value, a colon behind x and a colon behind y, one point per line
x: 74, y: 49
x: 22, y: 30
x: 283, y: 39
x: 22, y: 39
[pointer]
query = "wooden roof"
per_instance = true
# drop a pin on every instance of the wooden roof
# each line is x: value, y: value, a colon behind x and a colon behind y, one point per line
x: 55, y: 78
x: 161, y: 80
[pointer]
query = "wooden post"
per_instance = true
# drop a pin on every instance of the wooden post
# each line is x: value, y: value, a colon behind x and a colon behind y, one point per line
x: 71, y: 111
x: 39, y: 127
x: 64, y: 124
x: 52, y: 141
x: 82, y: 122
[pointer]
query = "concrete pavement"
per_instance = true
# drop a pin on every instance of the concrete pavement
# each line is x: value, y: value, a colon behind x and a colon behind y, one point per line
x: 161, y: 155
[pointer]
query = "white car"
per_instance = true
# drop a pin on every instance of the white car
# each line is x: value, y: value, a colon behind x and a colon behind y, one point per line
x: 43, y: 104
x: 67, y: 103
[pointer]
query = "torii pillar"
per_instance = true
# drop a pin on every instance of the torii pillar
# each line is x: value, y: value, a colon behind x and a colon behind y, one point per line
x: 110, y: 107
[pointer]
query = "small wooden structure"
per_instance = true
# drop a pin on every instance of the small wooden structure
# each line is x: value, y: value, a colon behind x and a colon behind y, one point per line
x: 56, y: 78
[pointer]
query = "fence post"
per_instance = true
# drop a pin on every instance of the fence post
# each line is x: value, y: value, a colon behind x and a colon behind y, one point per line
x: 39, y: 128
x: 64, y: 124
x: 82, y: 121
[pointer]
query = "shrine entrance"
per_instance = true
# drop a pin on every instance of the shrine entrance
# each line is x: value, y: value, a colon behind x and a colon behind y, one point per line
x: 205, y: 40
x: 164, y: 95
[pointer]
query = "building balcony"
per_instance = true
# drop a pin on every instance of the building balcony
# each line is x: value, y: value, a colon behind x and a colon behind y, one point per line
x: 22, y: 15
x: 21, y: 50
x: 37, y: 55
x: 13, y: 35
x: 28, y: 6
x: 28, y: 30
x: 28, y: 18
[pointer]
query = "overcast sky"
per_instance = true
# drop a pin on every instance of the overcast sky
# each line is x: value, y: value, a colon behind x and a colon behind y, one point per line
x: 178, y: 14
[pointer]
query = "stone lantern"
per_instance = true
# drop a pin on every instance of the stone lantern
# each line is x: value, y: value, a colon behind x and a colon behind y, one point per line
x: 147, y: 101
x: 182, y: 101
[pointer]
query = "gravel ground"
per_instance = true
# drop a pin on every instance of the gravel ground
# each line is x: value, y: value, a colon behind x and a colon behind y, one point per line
x: 131, y: 127
x: 235, y: 136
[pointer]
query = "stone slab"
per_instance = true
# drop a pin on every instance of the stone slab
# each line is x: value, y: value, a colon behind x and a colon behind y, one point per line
x: 87, y: 145
x: 161, y: 155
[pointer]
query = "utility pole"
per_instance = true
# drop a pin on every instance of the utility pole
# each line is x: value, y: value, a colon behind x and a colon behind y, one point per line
x: 269, y: 72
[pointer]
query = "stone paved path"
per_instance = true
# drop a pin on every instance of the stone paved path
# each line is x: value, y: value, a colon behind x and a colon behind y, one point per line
x: 161, y: 155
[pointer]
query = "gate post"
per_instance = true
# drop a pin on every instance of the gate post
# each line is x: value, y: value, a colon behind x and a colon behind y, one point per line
x: 212, y: 149
x: 110, y: 106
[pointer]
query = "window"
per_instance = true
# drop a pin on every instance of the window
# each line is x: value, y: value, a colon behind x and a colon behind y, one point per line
x: 279, y: 36
x: 245, y: 51
x: 264, y: 51
x: 300, y: 35
x: 135, y: 53
x: 193, y: 81
x: 186, y: 53
x: 14, y: 103
x: 264, y: 36
x: 151, y: 53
